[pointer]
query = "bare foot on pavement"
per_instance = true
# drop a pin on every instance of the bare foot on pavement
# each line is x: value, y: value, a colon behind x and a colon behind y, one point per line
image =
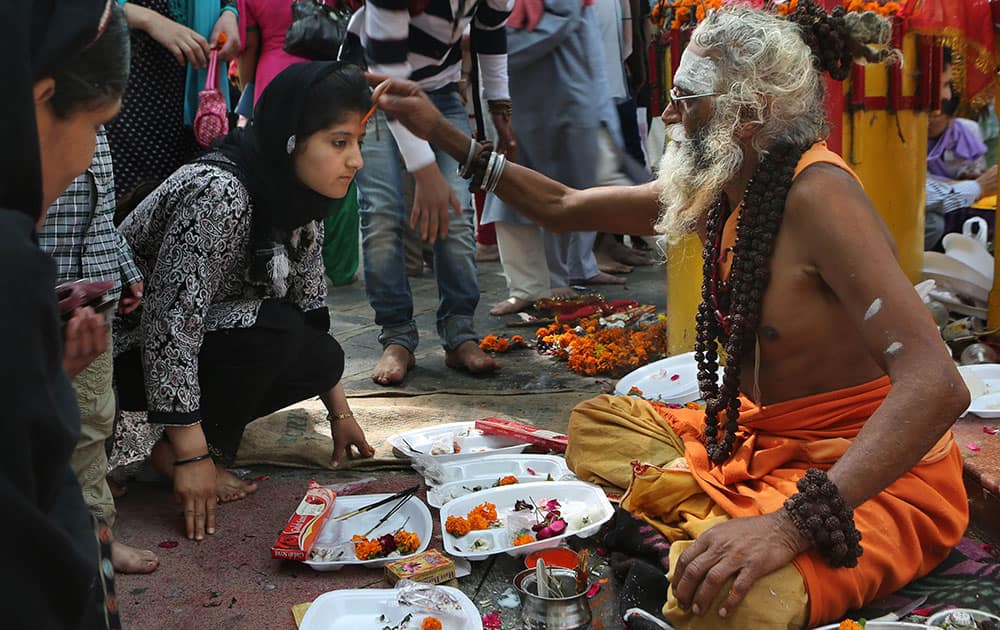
x: 127, y: 559
x: 603, y: 278
x: 393, y: 365
x: 468, y: 356
x: 608, y: 264
x: 510, y: 305
x: 564, y: 293
x: 229, y: 487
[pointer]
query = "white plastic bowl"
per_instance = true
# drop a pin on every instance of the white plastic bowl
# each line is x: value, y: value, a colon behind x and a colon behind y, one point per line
x: 359, y: 609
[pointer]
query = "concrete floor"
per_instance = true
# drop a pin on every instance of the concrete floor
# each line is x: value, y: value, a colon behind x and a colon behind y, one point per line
x: 229, y: 581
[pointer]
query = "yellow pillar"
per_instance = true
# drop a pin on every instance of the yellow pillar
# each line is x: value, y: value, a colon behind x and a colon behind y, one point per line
x: 888, y: 150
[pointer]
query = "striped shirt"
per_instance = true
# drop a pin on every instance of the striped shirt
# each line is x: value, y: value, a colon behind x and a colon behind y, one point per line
x: 79, y: 233
x: 944, y: 196
x: 426, y: 48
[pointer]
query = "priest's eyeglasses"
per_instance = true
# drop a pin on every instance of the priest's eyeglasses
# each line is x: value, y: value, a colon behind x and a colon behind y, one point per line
x: 675, y: 95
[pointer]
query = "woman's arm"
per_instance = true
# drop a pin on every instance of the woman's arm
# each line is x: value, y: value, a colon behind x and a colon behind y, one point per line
x: 247, y: 61
x: 556, y: 207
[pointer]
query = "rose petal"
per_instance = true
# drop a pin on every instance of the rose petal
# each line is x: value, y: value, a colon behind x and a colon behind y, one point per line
x: 675, y: 377
x: 262, y: 478
x: 972, y: 447
x: 168, y: 544
x: 532, y: 472
x: 593, y: 590
x: 989, y: 431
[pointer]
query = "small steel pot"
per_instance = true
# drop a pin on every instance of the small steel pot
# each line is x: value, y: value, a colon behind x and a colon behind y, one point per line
x: 567, y: 610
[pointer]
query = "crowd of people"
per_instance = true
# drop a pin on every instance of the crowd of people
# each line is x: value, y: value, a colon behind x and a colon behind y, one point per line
x: 821, y: 469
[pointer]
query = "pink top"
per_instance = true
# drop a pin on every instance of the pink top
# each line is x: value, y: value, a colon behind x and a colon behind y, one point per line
x: 272, y: 18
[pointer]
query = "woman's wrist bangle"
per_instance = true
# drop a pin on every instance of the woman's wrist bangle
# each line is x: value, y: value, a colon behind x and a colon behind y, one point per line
x: 335, y: 417
x: 191, y: 460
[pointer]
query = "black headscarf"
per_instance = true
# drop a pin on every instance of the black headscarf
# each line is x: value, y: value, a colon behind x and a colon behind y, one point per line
x: 262, y: 152
x: 40, y: 423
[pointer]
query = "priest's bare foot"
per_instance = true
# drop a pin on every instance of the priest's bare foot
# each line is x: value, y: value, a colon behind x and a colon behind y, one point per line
x: 127, y: 559
x: 564, y: 293
x: 510, y: 305
x: 393, y: 365
x: 468, y: 356
x: 603, y: 278
x: 229, y: 487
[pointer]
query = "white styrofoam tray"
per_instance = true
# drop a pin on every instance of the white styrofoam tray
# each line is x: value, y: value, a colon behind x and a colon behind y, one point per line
x: 414, y: 513
x: 884, y: 625
x: 464, y: 477
x: 359, y: 609
x: 670, y: 380
x: 584, y: 506
x: 983, y: 381
x: 473, y: 443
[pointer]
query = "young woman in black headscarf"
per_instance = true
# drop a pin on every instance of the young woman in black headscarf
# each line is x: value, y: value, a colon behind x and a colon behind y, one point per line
x: 234, y: 323
x: 65, y: 68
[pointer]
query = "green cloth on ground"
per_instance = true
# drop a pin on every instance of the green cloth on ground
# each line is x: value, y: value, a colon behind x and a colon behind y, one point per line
x: 340, y: 243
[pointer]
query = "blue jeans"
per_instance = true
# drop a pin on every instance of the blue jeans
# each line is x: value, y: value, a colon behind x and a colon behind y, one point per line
x: 383, y: 215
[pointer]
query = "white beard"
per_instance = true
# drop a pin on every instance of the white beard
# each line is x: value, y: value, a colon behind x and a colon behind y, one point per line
x: 692, y: 174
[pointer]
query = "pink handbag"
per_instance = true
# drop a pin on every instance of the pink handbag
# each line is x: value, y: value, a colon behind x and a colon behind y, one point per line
x: 211, y: 120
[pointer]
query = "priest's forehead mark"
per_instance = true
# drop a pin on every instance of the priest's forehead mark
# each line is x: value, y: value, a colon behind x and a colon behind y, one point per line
x: 696, y: 73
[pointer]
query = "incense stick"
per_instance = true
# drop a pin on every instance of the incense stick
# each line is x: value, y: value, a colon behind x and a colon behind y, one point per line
x: 405, y: 493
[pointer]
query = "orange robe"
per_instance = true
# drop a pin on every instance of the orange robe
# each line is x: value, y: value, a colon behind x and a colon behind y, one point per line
x: 907, y: 529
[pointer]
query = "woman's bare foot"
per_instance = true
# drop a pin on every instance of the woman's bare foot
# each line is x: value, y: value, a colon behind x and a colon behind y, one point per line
x: 229, y: 487
x: 602, y: 278
x: 564, y: 293
x: 118, y: 490
x: 469, y: 356
x: 510, y: 305
x: 393, y: 365
x: 127, y: 559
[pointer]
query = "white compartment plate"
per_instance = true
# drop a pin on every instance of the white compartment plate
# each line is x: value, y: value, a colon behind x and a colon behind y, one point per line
x: 472, y: 442
x: 939, y: 618
x: 983, y: 381
x: 884, y: 625
x: 657, y: 382
x: 500, y: 465
x: 577, y: 499
x: 359, y: 609
x: 333, y: 532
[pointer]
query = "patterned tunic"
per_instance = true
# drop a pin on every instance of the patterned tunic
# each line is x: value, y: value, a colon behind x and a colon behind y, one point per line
x: 191, y: 240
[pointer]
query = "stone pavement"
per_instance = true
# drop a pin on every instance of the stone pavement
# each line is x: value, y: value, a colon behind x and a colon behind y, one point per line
x: 229, y: 581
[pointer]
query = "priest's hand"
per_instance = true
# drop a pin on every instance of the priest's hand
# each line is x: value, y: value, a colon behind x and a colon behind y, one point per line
x: 744, y: 549
x: 407, y: 103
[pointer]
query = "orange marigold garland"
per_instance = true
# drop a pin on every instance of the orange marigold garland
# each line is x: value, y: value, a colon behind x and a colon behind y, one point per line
x: 483, y: 516
x: 591, y: 349
x: 494, y: 343
x: 400, y: 541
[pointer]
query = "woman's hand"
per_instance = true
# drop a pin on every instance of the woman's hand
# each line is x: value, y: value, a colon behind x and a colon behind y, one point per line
x: 131, y: 298
x: 228, y: 24
x: 186, y: 45
x: 405, y: 101
x: 348, y: 433
x: 745, y: 549
x: 195, y: 489
x: 84, y: 339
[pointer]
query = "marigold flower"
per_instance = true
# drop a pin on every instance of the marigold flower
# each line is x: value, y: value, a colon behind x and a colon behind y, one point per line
x: 509, y: 480
x: 366, y: 549
x: 523, y: 539
x: 430, y: 623
x: 477, y: 522
x: 407, y: 542
x: 487, y: 510
x: 457, y: 526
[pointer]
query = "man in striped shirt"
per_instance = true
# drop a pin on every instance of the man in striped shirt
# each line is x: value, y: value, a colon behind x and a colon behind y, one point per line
x: 79, y: 234
x: 424, y: 45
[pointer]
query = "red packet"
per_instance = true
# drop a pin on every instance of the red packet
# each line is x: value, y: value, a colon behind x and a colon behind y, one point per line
x: 302, y: 529
x: 524, y: 432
